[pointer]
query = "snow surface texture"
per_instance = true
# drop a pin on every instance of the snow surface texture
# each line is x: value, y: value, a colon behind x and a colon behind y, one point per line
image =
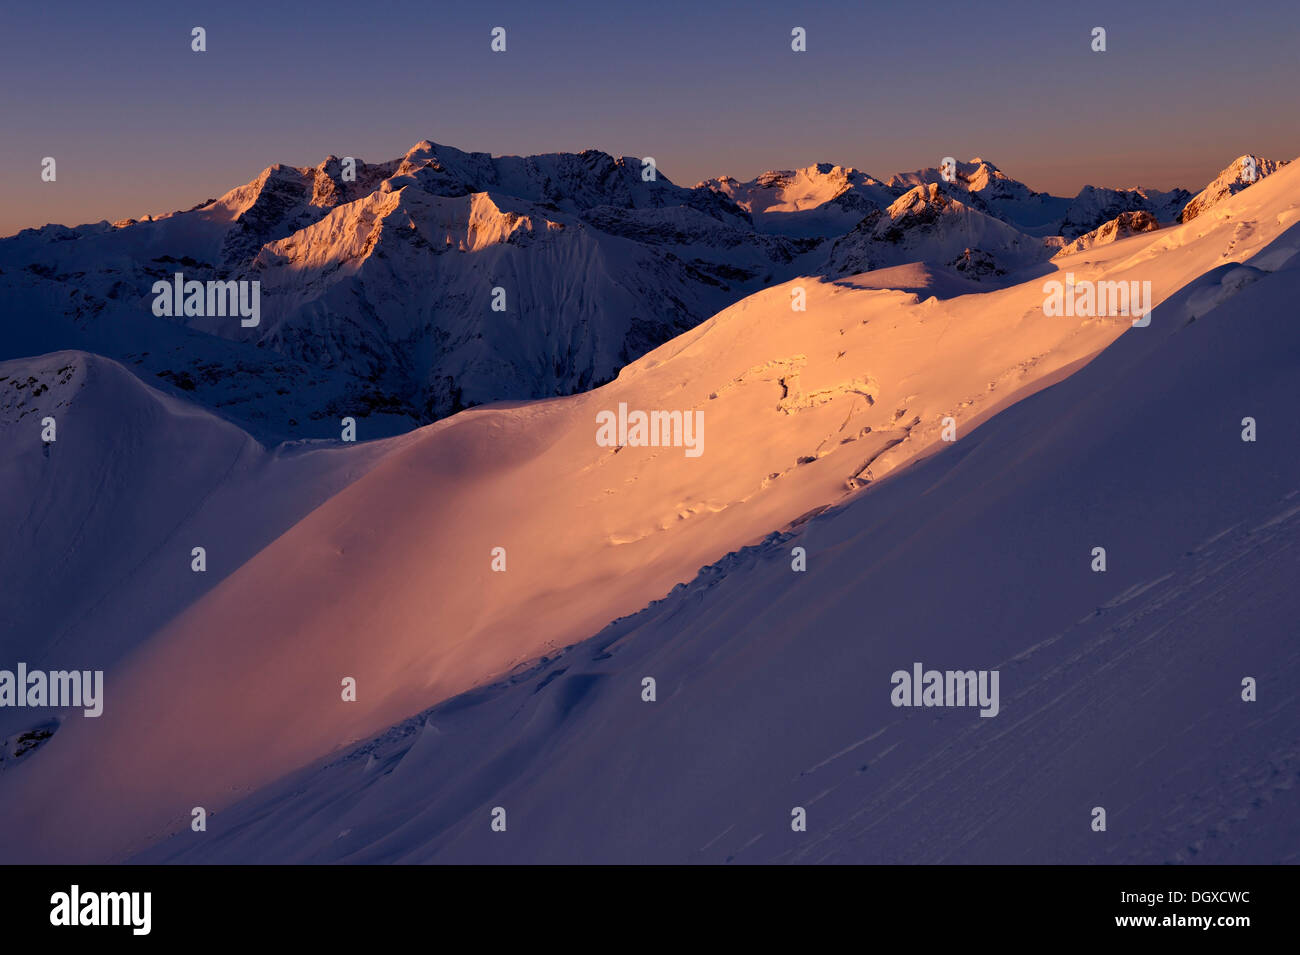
x: 773, y: 685
x: 1119, y: 689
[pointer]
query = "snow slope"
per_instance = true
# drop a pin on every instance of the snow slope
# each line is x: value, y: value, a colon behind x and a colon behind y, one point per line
x: 1119, y: 689
x: 390, y: 581
x: 100, y: 524
x: 1228, y: 183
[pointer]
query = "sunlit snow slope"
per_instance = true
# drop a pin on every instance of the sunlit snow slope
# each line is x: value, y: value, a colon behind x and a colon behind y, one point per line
x: 1119, y: 690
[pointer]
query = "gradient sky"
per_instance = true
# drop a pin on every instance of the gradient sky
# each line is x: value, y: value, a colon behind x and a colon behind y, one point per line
x: 140, y: 124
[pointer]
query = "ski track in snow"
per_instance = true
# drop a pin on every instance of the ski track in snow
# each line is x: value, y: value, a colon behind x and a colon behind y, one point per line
x: 1201, y: 584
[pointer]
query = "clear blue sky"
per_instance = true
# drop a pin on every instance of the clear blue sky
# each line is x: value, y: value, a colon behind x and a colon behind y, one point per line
x: 140, y: 124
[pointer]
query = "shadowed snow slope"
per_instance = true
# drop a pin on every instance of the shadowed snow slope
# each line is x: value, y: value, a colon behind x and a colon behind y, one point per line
x: 99, y: 525
x: 389, y: 581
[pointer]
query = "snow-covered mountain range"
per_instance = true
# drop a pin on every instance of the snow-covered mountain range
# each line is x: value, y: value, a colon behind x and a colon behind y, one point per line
x: 822, y: 200
x: 400, y: 292
x: 1121, y: 227
x: 929, y: 223
x: 378, y: 294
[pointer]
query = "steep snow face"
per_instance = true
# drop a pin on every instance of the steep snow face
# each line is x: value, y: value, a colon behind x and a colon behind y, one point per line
x: 272, y: 395
x: 380, y: 290
x: 100, y: 523
x: 984, y: 187
x: 1121, y: 227
x: 391, y: 581
x: 417, y: 276
x: 929, y: 224
x: 1093, y: 207
x: 822, y: 200
x: 285, y: 199
x: 774, y: 688
x: 1246, y: 171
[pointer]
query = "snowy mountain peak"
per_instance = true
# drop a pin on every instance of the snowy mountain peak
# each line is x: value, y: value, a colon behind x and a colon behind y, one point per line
x: 1244, y: 171
x: 1121, y: 227
x: 931, y: 223
x: 1095, y: 206
x: 423, y: 149
x: 983, y: 186
x: 923, y: 200
x: 976, y: 174
x: 821, y: 200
